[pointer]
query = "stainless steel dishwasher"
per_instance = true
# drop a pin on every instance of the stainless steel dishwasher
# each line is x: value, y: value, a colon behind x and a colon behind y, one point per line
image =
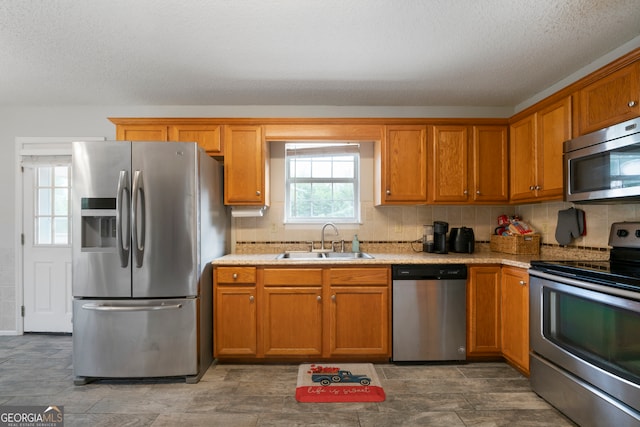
x: 429, y: 312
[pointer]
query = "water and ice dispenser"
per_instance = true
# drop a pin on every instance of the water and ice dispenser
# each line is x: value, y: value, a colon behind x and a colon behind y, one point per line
x: 98, y: 216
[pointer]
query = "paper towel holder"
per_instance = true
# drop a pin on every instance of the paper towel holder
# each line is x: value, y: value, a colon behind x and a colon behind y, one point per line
x: 247, y: 211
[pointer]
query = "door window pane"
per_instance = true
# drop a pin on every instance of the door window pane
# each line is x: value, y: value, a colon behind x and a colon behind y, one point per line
x: 52, y: 219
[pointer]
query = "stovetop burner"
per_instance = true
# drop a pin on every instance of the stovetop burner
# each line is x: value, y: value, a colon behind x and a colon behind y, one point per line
x: 621, y: 271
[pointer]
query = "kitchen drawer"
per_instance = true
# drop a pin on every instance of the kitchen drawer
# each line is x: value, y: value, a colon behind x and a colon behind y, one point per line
x: 234, y: 275
x: 359, y: 276
x: 292, y: 276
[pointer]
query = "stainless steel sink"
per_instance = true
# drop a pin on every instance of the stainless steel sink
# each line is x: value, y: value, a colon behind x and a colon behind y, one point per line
x: 314, y: 256
x: 301, y: 255
x: 348, y: 255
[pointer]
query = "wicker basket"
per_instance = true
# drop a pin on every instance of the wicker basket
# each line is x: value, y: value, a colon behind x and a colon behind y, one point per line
x: 528, y: 244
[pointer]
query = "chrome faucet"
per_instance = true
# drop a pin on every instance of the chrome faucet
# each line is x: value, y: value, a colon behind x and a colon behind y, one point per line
x: 322, y: 237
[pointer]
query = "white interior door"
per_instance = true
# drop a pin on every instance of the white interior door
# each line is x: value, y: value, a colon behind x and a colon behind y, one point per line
x: 47, y: 246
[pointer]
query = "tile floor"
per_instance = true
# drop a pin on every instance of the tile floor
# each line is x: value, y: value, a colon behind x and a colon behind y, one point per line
x: 36, y: 370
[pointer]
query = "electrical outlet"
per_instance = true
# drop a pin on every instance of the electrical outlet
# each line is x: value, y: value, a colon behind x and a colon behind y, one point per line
x: 545, y: 228
x: 274, y: 227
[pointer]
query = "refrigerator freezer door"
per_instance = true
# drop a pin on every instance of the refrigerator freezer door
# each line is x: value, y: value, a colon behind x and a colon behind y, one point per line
x: 100, y: 196
x: 165, y: 224
x: 134, y: 338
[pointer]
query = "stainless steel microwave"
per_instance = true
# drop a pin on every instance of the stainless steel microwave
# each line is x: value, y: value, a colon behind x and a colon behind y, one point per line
x: 604, y: 166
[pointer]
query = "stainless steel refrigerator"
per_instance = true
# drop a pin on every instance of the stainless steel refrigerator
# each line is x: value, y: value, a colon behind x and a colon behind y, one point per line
x: 147, y: 219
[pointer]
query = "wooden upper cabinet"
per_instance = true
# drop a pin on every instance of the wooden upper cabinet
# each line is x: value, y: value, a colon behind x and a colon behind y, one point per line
x: 448, y: 159
x: 246, y: 168
x: 208, y: 137
x: 536, y: 153
x: 468, y: 164
x: 402, y: 165
x: 554, y: 127
x: 489, y: 164
x: 609, y: 100
x: 148, y: 132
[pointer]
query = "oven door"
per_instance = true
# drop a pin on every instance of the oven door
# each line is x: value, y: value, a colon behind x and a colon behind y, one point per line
x: 590, y: 331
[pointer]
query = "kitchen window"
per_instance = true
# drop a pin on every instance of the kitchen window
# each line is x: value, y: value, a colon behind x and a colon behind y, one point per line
x: 322, y: 182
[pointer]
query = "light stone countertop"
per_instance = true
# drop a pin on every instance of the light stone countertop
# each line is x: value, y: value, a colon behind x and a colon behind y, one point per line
x: 478, y: 257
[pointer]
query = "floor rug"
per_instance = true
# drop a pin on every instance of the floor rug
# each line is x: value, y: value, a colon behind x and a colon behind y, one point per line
x: 338, y: 382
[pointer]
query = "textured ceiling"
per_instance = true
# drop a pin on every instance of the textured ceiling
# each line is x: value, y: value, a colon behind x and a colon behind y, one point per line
x: 294, y: 52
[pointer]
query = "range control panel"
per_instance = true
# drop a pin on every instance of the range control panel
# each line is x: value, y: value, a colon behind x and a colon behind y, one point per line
x: 625, y: 235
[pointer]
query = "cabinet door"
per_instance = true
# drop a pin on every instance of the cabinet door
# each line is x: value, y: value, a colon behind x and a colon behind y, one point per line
x: 359, y: 320
x: 245, y: 171
x: 142, y: 132
x: 483, y: 311
x: 490, y: 172
x: 404, y: 165
x: 207, y: 136
x: 292, y: 310
x: 522, y: 159
x: 554, y: 127
x: 515, y: 316
x: 449, y: 164
x: 610, y: 100
x: 235, y: 321
x: 292, y: 321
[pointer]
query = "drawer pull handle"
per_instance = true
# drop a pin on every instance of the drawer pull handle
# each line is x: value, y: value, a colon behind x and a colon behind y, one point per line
x: 235, y: 276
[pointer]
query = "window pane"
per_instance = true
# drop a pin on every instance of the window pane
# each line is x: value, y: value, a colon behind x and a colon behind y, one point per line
x: 61, y: 197
x: 43, y: 232
x: 61, y: 176
x: 301, y: 169
x: 343, y: 191
x: 44, y: 201
x: 61, y: 231
x: 343, y: 169
x: 44, y: 176
x: 321, y: 168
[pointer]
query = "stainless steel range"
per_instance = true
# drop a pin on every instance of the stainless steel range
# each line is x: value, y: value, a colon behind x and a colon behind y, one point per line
x: 585, y: 333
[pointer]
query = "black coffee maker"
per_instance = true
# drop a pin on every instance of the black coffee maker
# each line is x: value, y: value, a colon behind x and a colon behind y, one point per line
x: 440, y: 229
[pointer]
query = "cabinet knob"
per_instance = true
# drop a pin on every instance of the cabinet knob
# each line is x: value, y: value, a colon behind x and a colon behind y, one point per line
x: 235, y: 276
x: 531, y: 187
x: 333, y: 297
x: 522, y: 282
x: 538, y: 187
x: 319, y: 298
x: 478, y: 192
x: 258, y: 193
x: 465, y: 192
x: 388, y: 192
x: 251, y: 298
x: 632, y: 103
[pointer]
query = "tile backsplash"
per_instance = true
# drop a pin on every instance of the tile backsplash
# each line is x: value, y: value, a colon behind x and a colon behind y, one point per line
x: 404, y: 223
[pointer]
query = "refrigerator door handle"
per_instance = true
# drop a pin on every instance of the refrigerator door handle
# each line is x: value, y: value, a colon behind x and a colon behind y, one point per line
x: 123, y: 242
x: 138, y: 234
x: 109, y: 307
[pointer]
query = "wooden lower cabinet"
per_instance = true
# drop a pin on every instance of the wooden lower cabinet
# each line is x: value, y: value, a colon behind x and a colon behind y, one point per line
x: 235, y: 321
x: 483, y: 311
x: 302, y: 313
x: 359, y: 312
x: 292, y: 312
x: 515, y: 316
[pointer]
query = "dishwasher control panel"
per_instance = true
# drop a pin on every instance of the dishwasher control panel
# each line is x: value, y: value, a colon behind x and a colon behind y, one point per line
x: 429, y: 272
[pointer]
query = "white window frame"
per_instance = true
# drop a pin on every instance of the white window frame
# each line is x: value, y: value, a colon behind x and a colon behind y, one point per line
x: 320, y: 149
